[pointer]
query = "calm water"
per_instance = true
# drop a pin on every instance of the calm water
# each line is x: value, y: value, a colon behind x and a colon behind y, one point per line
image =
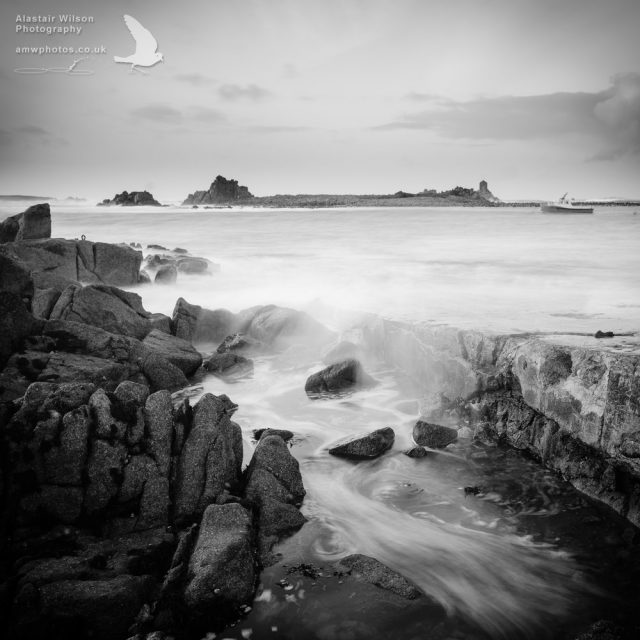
x: 525, y: 558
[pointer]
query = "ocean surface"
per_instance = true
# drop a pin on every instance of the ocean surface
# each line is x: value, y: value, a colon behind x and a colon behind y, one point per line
x: 527, y: 557
x: 500, y: 269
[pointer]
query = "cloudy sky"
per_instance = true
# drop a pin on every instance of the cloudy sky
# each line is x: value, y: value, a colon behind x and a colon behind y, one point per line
x: 333, y: 96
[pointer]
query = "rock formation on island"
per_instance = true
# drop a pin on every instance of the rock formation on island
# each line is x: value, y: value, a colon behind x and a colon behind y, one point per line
x: 483, y: 192
x: 133, y: 199
x: 221, y: 191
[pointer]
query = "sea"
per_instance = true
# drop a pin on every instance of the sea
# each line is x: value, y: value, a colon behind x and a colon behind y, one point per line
x: 524, y: 556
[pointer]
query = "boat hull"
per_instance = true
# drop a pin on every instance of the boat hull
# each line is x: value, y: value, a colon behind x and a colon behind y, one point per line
x: 556, y: 208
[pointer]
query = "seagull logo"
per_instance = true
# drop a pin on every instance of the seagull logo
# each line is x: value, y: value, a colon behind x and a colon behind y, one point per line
x: 146, y: 53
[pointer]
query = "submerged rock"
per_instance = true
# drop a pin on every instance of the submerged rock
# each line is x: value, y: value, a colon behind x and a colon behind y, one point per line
x: 434, y: 436
x: 370, y: 445
x: 167, y: 274
x: 338, y: 377
x: 367, y: 569
x: 193, y: 323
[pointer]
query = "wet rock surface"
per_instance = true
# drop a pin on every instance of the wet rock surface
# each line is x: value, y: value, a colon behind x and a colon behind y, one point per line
x: 434, y: 436
x: 345, y: 375
x: 367, y: 569
x: 365, y: 446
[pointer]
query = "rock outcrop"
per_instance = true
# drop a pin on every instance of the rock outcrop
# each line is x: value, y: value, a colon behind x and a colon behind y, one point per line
x: 133, y: 199
x: 572, y: 402
x: 221, y: 191
x: 91, y: 482
x: 32, y: 224
x: 56, y: 263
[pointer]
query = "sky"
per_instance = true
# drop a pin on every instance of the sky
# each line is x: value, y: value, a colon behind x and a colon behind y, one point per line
x: 537, y: 97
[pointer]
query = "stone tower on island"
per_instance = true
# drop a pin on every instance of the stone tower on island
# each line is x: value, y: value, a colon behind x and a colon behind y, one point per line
x: 484, y: 192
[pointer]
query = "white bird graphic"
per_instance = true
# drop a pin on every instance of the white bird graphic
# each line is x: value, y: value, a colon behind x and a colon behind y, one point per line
x: 146, y: 53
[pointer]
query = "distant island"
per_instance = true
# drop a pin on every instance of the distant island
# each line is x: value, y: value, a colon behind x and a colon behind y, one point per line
x: 223, y: 191
x: 22, y: 197
x: 133, y: 199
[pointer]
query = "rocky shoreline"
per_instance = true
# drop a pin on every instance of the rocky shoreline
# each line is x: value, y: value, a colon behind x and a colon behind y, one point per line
x: 126, y: 510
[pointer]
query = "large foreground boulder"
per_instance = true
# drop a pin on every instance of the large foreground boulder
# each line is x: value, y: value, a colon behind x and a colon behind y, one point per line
x: 32, y: 224
x: 365, y: 446
x: 274, y: 486
x: 221, y: 574
x: 342, y: 376
x: 211, y: 458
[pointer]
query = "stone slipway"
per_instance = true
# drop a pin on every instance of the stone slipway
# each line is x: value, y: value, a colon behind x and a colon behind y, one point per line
x: 572, y: 401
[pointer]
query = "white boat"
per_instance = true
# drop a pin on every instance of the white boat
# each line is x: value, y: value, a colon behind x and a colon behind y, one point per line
x: 564, y: 205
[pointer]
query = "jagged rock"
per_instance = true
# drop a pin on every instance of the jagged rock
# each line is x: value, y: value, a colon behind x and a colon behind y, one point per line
x: 15, y: 324
x: 416, y: 452
x: 211, y: 457
x: 32, y: 224
x: 274, y: 485
x: 176, y: 350
x: 434, y: 436
x: 135, y: 198
x: 103, y: 306
x: 338, y: 377
x: 106, y: 425
x: 366, y: 569
x: 221, y: 574
x: 167, y: 274
x: 195, y: 324
x: 131, y: 396
x: 368, y: 445
x: 229, y: 364
x: 220, y: 191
